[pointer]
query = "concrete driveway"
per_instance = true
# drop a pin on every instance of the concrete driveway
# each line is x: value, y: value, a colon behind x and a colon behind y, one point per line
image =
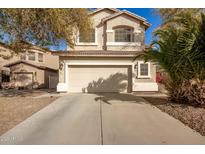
x: 101, y: 119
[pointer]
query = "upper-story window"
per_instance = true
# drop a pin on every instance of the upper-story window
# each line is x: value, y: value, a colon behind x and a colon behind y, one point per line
x: 87, y: 39
x: 40, y: 57
x: 23, y: 56
x: 123, y: 34
x: 31, y: 56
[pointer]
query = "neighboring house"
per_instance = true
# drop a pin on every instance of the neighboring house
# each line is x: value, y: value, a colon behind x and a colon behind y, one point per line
x: 35, y: 68
x: 107, y: 61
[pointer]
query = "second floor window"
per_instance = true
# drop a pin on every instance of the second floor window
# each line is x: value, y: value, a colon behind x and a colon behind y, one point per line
x: 23, y: 57
x: 40, y: 57
x: 31, y: 56
x: 123, y: 34
x: 88, y: 39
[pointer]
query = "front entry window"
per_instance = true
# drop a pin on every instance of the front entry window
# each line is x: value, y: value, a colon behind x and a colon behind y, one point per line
x: 143, y: 69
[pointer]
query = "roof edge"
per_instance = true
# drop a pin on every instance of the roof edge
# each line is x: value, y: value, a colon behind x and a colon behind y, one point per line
x: 31, y: 47
x: 31, y: 64
x: 95, y: 53
x: 100, y: 9
x: 144, y: 21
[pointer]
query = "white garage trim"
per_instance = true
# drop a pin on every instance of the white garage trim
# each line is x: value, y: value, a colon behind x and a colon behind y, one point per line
x: 100, y: 63
x: 136, y: 86
x: 63, y: 87
x: 99, y: 78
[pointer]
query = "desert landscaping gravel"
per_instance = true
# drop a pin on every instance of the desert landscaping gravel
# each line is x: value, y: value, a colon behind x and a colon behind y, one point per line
x: 14, y: 110
x: 192, y: 116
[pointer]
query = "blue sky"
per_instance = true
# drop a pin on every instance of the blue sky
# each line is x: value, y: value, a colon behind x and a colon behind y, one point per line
x: 148, y: 13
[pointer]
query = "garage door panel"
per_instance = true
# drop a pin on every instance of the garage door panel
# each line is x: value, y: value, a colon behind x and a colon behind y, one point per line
x: 23, y: 79
x: 98, y: 79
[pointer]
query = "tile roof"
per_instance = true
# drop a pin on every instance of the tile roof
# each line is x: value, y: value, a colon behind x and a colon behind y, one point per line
x: 97, y: 53
x: 30, y: 47
x: 29, y: 63
x: 100, y: 9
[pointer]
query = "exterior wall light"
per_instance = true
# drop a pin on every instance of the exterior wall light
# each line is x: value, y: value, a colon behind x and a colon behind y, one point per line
x: 61, y: 66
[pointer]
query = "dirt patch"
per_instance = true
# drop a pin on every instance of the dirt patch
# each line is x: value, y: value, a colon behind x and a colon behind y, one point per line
x: 194, y: 117
x: 14, y: 110
x: 25, y: 93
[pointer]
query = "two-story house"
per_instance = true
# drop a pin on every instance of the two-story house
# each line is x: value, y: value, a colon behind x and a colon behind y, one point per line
x: 36, y: 66
x: 107, y: 61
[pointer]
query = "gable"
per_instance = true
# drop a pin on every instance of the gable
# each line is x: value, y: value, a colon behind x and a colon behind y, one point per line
x: 22, y: 63
x: 124, y: 20
x: 109, y: 10
x: 23, y: 67
x: 98, y: 16
x: 6, y: 52
x: 125, y: 15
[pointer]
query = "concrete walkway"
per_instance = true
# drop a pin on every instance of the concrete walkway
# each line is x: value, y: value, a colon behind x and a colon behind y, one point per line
x: 101, y: 119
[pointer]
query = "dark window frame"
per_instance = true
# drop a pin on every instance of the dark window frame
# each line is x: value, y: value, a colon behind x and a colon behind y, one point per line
x: 34, y: 56
x: 40, y: 59
x: 123, y: 34
x: 144, y: 69
x: 88, y: 39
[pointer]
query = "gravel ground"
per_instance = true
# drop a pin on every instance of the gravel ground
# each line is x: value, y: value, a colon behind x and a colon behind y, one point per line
x: 192, y: 116
x: 16, y: 109
x: 25, y: 93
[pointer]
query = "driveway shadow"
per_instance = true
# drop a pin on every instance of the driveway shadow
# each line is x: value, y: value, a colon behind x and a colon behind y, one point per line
x: 122, y: 97
x: 117, y: 82
x: 156, y: 101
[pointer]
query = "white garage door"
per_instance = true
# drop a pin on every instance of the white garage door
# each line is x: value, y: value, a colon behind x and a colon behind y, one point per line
x: 99, y: 79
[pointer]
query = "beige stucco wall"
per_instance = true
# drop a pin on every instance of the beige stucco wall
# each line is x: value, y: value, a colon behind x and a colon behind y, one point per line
x: 6, y: 52
x: 152, y: 74
x: 88, y: 60
x: 38, y: 73
x: 96, y: 20
x: 125, y: 20
x: 41, y: 76
x: 105, y: 41
x: 49, y: 60
x: 105, y: 33
x: 107, y: 61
